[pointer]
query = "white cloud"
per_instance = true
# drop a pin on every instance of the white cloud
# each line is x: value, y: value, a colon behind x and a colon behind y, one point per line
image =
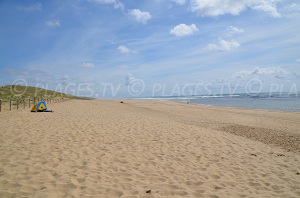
x: 229, y: 45
x: 184, y: 30
x: 212, y: 47
x: 298, y: 60
x: 140, y: 16
x: 179, y: 2
x: 224, y: 45
x: 267, y: 72
x: 257, y: 76
x: 292, y: 7
x: 128, y: 79
x: 231, y: 30
x: 117, y: 4
x: 29, y: 8
x: 41, y: 76
x: 291, y: 10
x: 234, y: 7
x: 88, y: 65
x: 52, y: 23
x: 125, y: 50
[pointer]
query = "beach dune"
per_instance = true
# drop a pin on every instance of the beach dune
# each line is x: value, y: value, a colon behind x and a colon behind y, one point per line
x: 141, y: 148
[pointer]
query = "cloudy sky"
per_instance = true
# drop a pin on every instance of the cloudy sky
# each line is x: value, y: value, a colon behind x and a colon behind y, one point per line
x: 166, y: 42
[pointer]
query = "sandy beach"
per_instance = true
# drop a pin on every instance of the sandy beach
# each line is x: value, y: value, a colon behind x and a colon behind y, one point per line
x: 142, y: 148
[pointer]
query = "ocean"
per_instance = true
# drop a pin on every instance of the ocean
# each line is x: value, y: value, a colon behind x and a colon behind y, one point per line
x: 263, y: 101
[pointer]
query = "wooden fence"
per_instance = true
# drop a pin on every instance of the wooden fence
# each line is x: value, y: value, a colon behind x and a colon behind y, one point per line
x: 24, y: 103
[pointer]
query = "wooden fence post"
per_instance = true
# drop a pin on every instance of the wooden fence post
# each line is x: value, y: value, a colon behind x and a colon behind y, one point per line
x: 24, y: 103
x: 17, y: 104
x: 10, y: 104
x: 0, y: 105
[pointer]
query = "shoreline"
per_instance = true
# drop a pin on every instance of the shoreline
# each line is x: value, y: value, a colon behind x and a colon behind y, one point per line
x: 242, y: 108
x: 229, y: 127
x: 289, y: 141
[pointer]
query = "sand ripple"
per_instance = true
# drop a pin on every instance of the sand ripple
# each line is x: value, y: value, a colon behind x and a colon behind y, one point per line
x: 109, y: 149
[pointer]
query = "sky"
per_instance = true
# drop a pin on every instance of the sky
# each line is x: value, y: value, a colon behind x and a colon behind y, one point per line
x: 130, y: 48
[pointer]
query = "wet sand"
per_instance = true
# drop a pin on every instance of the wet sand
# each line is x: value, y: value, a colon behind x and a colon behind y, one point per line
x: 148, y: 149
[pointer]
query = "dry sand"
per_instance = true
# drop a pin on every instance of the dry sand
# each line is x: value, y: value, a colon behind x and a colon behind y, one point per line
x: 109, y: 149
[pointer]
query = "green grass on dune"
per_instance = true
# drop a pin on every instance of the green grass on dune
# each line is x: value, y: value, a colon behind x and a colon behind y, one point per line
x: 19, y: 93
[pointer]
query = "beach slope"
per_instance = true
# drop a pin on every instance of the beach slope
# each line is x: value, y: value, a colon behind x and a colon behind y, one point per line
x: 138, y: 149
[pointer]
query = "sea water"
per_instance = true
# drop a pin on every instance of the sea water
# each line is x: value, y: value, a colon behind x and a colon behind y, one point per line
x: 263, y: 101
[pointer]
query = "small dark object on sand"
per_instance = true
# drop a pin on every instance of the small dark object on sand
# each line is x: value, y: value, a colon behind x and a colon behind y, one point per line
x: 253, y: 154
x: 148, y: 191
x: 121, y: 102
x: 297, y: 173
